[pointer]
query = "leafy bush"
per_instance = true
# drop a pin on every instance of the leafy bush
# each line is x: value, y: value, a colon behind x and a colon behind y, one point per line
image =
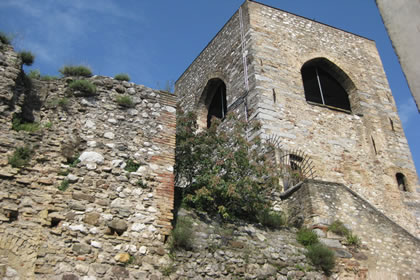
x: 338, y: 228
x: 353, y: 239
x: 5, y: 39
x: 322, y: 257
x: 70, y: 70
x: 220, y: 172
x: 20, y: 157
x: 18, y: 125
x: 271, y: 219
x: 84, y: 86
x: 307, y: 237
x: 122, y: 77
x: 64, y: 185
x: 182, y: 235
x: 27, y: 57
x: 131, y: 166
x: 124, y: 101
x: 34, y: 74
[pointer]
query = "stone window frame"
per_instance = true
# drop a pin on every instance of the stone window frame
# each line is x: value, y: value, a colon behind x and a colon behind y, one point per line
x: 342, y: 78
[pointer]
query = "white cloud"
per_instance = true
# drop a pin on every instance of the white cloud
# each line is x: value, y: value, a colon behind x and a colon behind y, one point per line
x: 408, y: 111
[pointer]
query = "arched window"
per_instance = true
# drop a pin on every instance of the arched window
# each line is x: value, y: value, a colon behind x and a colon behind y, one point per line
x: 212, y: 102
x: 401, y: 181
x: 321, y: 81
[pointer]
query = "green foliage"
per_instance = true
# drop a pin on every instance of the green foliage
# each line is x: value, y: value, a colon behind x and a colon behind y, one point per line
x: 169, y: 269
x: 182, y: 235
x: 64, y: 185
x: 124, y: 101
x: 353, y: 239
x: 20, y: 157
x: 221, y: 172
x: 141, y: 184
x: 18, y: 125
x: 34, y: 74
x: 5, y: 39
x: 322, y: 257
x: 271, y: 219
x: 74, y: 161
x: 48, y: 78
x: 84, y: 86
x: 71, y: 70
x: 338, y: 228
x: 62, y: 102
x: 131, y: 166
x: 48, y: 124
x: 122, y: 77
x: 27, y: 57
x: 307, y: 237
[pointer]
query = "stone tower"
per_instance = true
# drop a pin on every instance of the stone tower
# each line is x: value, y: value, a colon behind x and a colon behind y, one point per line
x: 321, y: 90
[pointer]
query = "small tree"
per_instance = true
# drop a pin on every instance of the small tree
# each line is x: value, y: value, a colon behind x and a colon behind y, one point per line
x: 27, y: 57
x: 220, y: 171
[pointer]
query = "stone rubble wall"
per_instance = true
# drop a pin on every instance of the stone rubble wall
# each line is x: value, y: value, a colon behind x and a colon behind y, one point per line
x: 387, y: 248
x: 108, y: 223
x: 340, y: 144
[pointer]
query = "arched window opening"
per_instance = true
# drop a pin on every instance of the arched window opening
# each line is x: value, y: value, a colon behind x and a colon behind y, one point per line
x: 212, y: 103
x: 217, y: 106
x: 321, y: 82
x: 401, y: 181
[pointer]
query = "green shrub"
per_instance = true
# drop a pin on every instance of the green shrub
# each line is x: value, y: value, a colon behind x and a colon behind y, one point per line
x: 84, y: 86
x: 27, y: 57
x: 34, y: 74
x: 48, y: 78
x: 322, y: 257
x: 182, y: 235
x: 62, y: 102
x: 5, y: 39
x: 131, y: 166
x: 271, y: 219
x: 122, y: 77
x: 338, y: 228
x: 70, y: 70
x: 64, y: 185
x: 219, y: 171
x: 353, y: 239
x: 124, y: 101
x: 18, y: 125
x: 307, y: 237
x: 168, y: 270
x: 20, y: 157
x: 73, y: 161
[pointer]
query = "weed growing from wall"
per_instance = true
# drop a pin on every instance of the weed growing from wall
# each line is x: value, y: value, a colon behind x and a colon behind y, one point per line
x: 182, y: 235
x: 70, y: 70
x: 5, y: 39
x: 20, y: 157
x: 131, y: 166
x: 84, y: 87
x: 19, y: 125
x: 122, y: 77
x: 124, y: 101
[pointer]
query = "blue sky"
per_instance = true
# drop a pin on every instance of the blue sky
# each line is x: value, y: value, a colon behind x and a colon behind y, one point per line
x: 155, y: 41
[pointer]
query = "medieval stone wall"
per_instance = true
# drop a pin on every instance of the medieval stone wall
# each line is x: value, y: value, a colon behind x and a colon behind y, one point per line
x: 387, y: 249
x: 363, y: 149
x: 109, y: 223
x: 223, y: 59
